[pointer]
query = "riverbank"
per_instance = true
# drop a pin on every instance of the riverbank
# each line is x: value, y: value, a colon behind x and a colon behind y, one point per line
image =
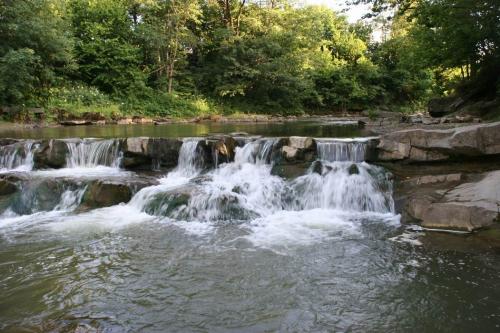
x: 378, y: 123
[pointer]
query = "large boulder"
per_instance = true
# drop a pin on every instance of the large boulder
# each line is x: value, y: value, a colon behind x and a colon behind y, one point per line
x: 298, y: 149
x: 7, y: 187
x: 457, y: 216
x: 300, y: 142
x: 439, y: 107
x: 50, y: 154
x: 104, y: 194
x: 446, y: 202
x: 422, y: 145
x: 147, y: 153
x: 222, y: 148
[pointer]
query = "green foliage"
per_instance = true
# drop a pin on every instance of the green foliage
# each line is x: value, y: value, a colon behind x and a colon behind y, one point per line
x: 79, y: 95
x: 158, y: 104
x: 105, y: 51
x: 18, y: 76
x: 183, y: 58
x: 79, y: 99
x: 35, y: 50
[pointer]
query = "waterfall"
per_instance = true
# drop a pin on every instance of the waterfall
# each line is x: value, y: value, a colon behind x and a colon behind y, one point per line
x: 189, y: 165
x: 190, y: 162
x: 256, y: 152
x: 43, y: 195
x: 90, y: 153
x: 246, y: 189
x: 17, y: 156
x: 342, y: 150
x: 358, y: 187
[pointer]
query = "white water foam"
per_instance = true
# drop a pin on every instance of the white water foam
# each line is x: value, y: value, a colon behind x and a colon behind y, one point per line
x: 90, y: 153
x: 292, y: 228
x: 17, y: 157
x: 326, y: 203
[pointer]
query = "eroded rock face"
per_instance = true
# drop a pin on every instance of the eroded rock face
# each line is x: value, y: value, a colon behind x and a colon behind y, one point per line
x: 298, y: 149
x: 145, y: 153
x: 221, y: 148
x: 103, y: 194
x: 7, y: 187
x: 446, y: 202
x: 50, y: 154
x: 420, y: 145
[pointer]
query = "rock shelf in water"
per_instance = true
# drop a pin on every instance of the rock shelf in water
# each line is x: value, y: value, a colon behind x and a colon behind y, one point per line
x: 465, y: 201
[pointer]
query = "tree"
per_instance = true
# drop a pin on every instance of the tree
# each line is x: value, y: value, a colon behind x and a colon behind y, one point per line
x: 35, y: 50
x: 106, y: 51
x: 169, y: 32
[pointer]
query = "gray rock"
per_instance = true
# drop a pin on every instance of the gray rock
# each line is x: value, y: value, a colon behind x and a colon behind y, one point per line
x: 50, y: 154
x: 420, y: 145
x: 438, y: 202
x: 142, y: 153
x: 299, y: 142
x: 297, y: 149
x: 459, y: 216
x: 290, y: 153
x: 102, y: 194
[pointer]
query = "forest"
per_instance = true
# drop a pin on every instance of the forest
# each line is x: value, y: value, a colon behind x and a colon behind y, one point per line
x: 181, y: 58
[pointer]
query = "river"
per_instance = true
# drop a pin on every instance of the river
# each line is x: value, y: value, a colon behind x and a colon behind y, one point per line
x: 235, y: 248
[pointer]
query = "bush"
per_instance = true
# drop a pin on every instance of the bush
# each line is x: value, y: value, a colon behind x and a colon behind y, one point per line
x: 158, y: 104
x: 80, y: 99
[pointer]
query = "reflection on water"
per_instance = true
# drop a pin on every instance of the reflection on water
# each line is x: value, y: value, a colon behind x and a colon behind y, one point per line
x: 302, y: 128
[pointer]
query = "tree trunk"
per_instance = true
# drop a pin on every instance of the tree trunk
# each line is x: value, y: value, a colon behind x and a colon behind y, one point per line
x: 170, y: 75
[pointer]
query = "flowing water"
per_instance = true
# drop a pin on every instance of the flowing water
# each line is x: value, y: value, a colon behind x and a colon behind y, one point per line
x: 18, y: 157
x: 231, y: 249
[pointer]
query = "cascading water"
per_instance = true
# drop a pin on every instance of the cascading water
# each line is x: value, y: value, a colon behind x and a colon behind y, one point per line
x: 256, y: 152
x: 17, y: 156
x: 247, y: 189
x: 340, y: 179
x: 342, y: 150
x: 189, y: 165
x: 345, y: 186
x: 90, y: 153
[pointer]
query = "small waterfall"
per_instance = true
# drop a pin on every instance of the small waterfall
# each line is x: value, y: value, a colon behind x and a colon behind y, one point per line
x: 70, y: 199
x: 342, y: 150
x: 43, y: 195
x: 90, y: 153
x: 256, y: 152
x: 246, y: 189
x: 17, y: 156
x: 189, y: 165
x: 358, y: 187
x: 190, y: 162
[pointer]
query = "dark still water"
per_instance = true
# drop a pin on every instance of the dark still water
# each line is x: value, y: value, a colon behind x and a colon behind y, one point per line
x: 300, y: 128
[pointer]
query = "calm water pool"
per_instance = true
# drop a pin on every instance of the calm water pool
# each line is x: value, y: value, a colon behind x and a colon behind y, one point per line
x: 301, y: 128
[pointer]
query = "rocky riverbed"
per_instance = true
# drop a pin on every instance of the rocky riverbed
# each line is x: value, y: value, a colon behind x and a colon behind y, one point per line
x: 444, y: 178
x: 136, y: 232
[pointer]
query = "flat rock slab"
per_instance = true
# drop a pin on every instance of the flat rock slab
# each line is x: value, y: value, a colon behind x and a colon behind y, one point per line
x: 442, y: 202
x: 425, y: 145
